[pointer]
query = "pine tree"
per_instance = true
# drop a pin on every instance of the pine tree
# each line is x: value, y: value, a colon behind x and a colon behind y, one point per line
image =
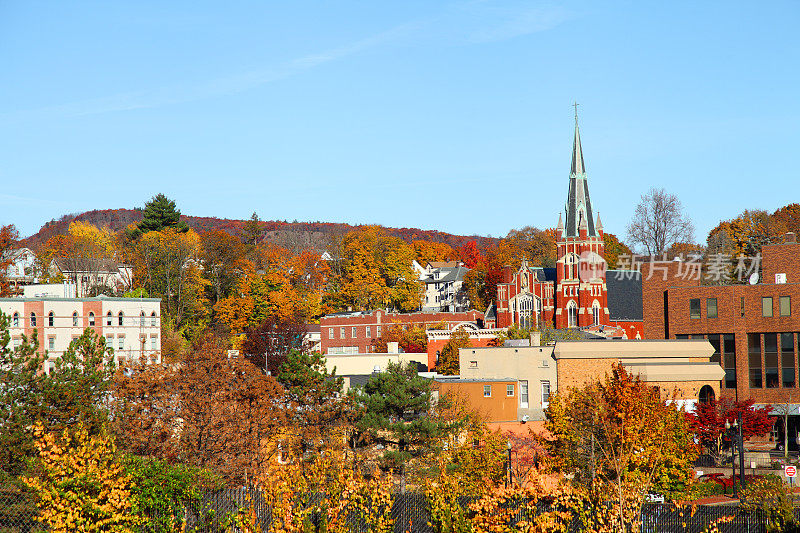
x: 252, y: 230
x: 159, y: 213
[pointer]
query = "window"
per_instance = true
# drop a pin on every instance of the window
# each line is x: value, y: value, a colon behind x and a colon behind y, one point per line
x: 771, y: 360
x: 120, y: 318
x: 153, y: 319
x: 368, y: 332
x: 711, y: 308
x: 572, y: 314
x: 330, y: 333
x: 377, y: 331
x: 545, y: 393
x: 15, y: 320
x: 16, y: 342
x: 91, y: 318
x: 473, y: 364
x: 33, y: 320
x: 51, y: 343
x: 714, y: 341
x: 766, y: 306
x: 595, y: 313
x: 754, y: 357
x: 341, y: 332
x: 354, y: 332
x: 787, y: 360
x: 141, y: 319
x: 487, y: 391
x: 523, y: 394
x: 153, y: 342
x: 51, y: 319
x: 785, y: 305
x: 694, y: 308
x: 741, y: 306
x: 729, y: 360
x: 509, y: 390
x: 109, y: 318
x: 121, y: 342
x: 74, y: 319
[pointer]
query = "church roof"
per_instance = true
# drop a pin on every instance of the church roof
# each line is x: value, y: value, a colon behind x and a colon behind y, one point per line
x: 624, y: 294
x: 579, y: 206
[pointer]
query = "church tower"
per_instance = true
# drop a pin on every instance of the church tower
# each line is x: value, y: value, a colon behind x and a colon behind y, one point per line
x: 580, y: 295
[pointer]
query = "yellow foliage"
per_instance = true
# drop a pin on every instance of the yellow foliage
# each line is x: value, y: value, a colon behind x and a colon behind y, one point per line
x: 79, y: 485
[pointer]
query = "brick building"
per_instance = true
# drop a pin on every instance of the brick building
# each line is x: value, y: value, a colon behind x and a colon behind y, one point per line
x: 754, y: 328
x: 575, y: 293
x: 353, y: 332
x: 131, y: 326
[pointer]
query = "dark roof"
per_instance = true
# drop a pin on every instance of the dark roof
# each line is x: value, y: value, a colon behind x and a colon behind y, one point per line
x: 451, y: 274
x: 491, y: 312
x: 624, y: 294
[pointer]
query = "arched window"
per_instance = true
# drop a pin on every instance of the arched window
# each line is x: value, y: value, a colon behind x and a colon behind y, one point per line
x: 109, y: 318
x: 33, y: 320
x: 596, y: 313
x: 75, y: 319
x: 153, y: 321
x: 538, y: 303
x: 51, y: 319
x: 525, y: 310
x: 120, y: 317
x: 706, y: 394
x: 141, y: 319
x: 572, y: 314
x: 15, y: 320
x: 91, y: 319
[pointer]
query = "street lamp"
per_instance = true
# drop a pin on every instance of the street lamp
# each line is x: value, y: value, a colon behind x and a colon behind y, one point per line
x: 730, y: 430
x: 509, y: 479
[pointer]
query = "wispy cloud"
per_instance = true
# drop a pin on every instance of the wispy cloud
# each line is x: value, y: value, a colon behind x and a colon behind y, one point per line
x: 221, y: 86
x: 517, y: 24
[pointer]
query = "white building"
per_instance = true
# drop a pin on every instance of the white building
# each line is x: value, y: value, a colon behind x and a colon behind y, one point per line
x: 131, y: 326
x: 88, y: 274
x: 22, y: 268
x: 443, y: 287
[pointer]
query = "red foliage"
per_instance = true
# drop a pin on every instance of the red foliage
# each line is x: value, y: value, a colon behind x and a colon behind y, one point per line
x: 8, y: 240
x: 470, y: 255
x: 708, y: 419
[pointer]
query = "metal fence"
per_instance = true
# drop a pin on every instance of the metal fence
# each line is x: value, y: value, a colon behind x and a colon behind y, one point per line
x: 410, y: 513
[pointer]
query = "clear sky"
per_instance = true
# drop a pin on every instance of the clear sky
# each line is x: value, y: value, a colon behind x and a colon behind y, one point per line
x: 454, y: 115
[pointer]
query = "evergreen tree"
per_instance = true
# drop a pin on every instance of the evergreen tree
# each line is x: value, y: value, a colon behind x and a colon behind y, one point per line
x: 252, y: 230
x: 397, y: 412
x: 159, y: 213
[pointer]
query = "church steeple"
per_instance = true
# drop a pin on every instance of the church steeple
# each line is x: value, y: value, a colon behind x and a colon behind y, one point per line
x: 579, y: 206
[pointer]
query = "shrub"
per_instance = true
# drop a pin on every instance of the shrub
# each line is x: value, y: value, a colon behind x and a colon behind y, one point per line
x: 770, y: 496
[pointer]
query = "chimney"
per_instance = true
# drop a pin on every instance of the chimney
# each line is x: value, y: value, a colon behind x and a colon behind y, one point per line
x: 790, y: 237
x: 536, y: 338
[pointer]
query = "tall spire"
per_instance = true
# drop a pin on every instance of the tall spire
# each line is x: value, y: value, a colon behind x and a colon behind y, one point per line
x: 577, y: 153
x: 579, y: 207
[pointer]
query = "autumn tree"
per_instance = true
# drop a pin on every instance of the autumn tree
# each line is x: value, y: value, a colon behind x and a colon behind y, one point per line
x: 707, y: 421
x: 428, y: 252
x: 537, y: 246
x: 409, y: 338
x: 160, y: 213
x: 223, y: 258
x: 613, y: 249
x: 227, y: 409
x: 268, y: 344
x: 79, y: 484
x: 621, y: 439
x: 375, y: 271
x: 167, y: 265
x: 470, y: 255
x: 8, y: 240
x: 658, y: 222
x: 448, y: 362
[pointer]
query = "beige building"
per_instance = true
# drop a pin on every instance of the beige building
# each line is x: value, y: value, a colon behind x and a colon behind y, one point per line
x: 356, y: 369
x: 532, y: 367
x: 680, y: 366
x: 131, y: 326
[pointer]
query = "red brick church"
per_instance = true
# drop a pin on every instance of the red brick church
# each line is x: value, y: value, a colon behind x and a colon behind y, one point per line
x: 579, y: 291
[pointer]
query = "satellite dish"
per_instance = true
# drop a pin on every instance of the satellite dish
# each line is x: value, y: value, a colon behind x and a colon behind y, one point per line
x: 753, y: 278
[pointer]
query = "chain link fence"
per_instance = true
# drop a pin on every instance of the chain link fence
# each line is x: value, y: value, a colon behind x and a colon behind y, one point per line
x: 410, y: 512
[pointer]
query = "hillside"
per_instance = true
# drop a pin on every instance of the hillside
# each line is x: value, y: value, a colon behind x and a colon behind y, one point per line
x: 291, y: 235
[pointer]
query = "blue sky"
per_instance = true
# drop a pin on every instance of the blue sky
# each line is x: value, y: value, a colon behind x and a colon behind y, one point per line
x: 441, y: 115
